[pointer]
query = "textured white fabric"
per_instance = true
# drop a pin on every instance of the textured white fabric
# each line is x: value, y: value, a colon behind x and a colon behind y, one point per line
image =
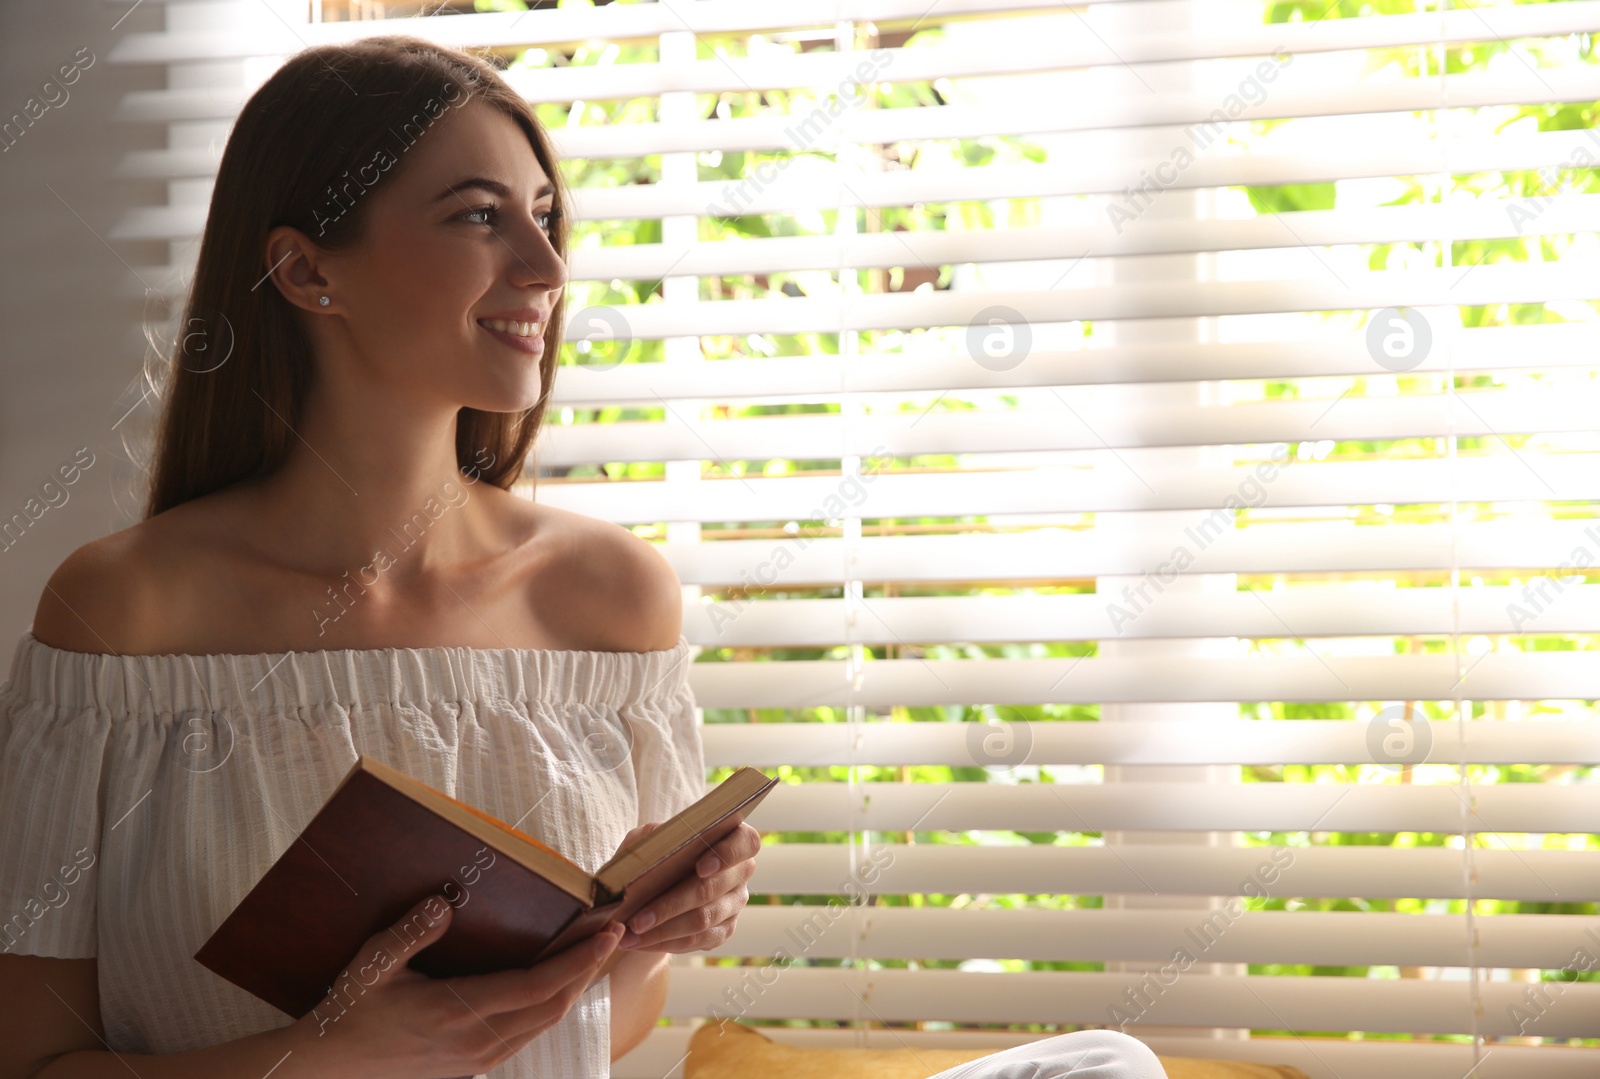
x: 141, y: 797
x: 1079, y: 1054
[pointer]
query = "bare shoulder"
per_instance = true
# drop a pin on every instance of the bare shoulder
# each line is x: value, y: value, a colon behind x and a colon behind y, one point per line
x: 98, y: 598
x: 123, y: 593
x: 624, y: 590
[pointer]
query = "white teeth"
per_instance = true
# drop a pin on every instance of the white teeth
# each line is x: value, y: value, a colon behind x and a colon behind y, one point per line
x: 518, y: 329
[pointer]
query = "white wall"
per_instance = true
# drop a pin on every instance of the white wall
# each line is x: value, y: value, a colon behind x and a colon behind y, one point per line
x: 70, y: 344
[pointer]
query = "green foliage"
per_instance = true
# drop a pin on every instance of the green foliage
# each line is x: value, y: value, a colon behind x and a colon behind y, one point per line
x: 1285, y: 197
x: 1317, y: 10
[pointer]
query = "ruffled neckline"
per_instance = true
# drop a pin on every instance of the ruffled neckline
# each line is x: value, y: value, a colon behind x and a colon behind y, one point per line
x: 270, y: 683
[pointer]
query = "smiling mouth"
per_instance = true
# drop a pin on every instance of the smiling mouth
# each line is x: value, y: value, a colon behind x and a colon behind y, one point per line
x: 515, y: 329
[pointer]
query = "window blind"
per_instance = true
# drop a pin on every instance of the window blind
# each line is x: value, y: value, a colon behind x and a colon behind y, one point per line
x: 1132, y: 469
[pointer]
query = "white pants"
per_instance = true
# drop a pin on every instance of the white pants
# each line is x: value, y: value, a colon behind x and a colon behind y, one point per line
x: 1081, y: 1054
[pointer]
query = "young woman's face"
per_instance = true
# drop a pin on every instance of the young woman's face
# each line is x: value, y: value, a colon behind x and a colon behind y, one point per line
x: 458, y: 233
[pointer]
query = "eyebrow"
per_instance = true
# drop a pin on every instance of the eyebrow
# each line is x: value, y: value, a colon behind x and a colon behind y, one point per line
x: 494, y: 187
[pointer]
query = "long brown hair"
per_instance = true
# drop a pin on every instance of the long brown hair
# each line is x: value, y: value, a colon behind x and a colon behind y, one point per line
x: 239, y: 366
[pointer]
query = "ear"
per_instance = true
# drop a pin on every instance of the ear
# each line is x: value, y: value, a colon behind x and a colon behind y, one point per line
x: 297, y: 268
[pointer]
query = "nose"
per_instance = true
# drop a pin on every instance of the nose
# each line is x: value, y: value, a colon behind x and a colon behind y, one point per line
x: 533, y: 257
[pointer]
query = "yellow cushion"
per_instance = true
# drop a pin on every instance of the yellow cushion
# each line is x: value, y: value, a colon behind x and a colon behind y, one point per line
x: 730, y: 1050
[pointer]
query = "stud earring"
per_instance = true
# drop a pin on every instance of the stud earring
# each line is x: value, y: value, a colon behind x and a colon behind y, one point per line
x: 323, y: 301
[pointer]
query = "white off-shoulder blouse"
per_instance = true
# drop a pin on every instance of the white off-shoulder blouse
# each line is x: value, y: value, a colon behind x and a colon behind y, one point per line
x: 141, y: 797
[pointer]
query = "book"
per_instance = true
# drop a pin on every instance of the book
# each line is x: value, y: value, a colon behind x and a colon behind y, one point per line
x: 383, y: 842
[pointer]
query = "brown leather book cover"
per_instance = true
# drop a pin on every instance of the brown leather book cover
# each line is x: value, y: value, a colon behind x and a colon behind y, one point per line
x: 383, y: 841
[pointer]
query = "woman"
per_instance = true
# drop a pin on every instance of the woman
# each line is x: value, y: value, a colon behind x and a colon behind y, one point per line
x: 371, y: 331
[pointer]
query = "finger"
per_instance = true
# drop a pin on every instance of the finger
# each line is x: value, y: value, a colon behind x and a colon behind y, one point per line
x: 522, y: 987
x: 686, y: 896
x: 383, y: 957
x: 387, y: 953
x: 700, y: 917
x: 741, y: 844
x: 639, y: 831
x: 702, y: 941
x: 523, y: 1022
x: 519, y: 1026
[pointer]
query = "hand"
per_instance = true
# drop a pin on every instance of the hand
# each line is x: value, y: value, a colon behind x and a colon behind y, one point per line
x: 383, y: 1019
x: 699, y: 912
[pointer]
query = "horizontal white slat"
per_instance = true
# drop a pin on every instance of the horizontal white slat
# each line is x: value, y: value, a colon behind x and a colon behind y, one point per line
x: 781, y: 70
x: 1482, y: 219
x: 1161, y: 741
x: 1146, y: 610
x: 1203, y: 807
x: 823, y: 377
x: 1496, y: 676
x: 546, y: 26
x: 842, y: 929
x: 1132, y: 544
x: 1479, y: 285
x: 1130, y: 482
x: 1497, y: 871
x: 661, y: 1054
x: 1075, y: 422
x: 883, y: 126
x: 846, y: 188
x: 1256, y: 1001
x: 851, y: 187
x: 1113, y: 112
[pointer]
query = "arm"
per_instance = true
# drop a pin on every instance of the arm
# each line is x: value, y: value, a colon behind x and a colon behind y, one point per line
x: 710, y: 902
x: 256, y: 1054
x: 638, y: 995
x: 56, y: 1033
x: 411, y: 1026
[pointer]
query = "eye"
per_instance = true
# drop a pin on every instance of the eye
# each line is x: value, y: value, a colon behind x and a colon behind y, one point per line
x: 548, y: 217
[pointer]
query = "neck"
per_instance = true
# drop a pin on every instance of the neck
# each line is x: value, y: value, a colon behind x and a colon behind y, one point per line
x: 379, y: 486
